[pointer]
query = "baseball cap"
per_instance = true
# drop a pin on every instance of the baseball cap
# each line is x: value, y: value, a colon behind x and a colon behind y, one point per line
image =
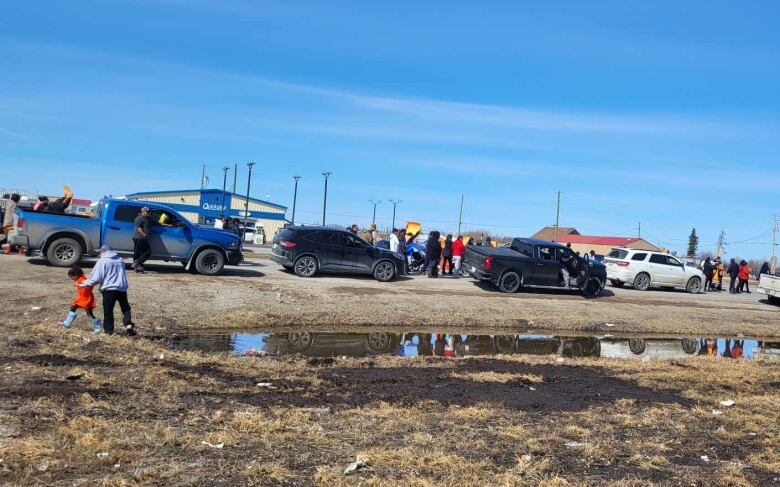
x: 145, y: 208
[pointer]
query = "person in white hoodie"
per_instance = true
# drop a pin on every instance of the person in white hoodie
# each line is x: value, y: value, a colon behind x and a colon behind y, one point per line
x: 109, y: 274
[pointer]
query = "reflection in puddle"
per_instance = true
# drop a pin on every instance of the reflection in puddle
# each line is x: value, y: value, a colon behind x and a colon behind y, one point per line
x: 335, y: 344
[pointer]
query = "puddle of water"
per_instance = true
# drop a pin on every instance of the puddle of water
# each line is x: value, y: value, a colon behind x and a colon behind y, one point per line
x: 337, y: 344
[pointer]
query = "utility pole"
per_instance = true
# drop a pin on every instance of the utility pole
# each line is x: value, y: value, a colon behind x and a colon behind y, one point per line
x: 250, y: 165
x: 325, y: 199
x: 203, y: 177
x: 460, y: 215
x: 235, y: 176
x: 721, y: 243
x: 224, y: 185
x: 639, y: 230
x: 373, y: 218
x: 557, y: 216
x: 295, y: 197
x: 773, y: 260
x: 394, y: 203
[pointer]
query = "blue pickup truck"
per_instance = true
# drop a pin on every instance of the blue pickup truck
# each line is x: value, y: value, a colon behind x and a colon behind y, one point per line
x: 63, y: 239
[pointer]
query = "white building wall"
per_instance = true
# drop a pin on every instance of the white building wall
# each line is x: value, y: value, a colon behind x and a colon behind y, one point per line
x: 174, y: 198
x: 238, y: 202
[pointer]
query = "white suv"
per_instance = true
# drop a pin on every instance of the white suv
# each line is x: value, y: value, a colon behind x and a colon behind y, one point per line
x: 644, y: 269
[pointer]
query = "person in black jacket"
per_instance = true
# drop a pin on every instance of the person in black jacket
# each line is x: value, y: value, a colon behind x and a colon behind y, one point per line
x: 707, y: 267
x: 764, y: 269
x: 433, y: 253
x: 732, y: 271
x: 447, y: 254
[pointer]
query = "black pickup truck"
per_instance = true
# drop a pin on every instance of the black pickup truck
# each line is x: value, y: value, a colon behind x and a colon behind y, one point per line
x: 528, y: 262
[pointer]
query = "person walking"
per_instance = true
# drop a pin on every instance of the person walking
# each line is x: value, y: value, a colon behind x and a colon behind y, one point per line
x: 744, y: 276
x: 394, y: 240
x: 109, y: 274
x: 707, y: 268
x: 84, y: 300
x: 141, y: 248
x: 457, y: 254
x: 446, y: 253
x: 733, y: 271
x: 433, y: 253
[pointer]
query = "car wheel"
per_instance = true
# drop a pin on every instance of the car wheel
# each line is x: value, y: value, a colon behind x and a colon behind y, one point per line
x: 616, y: 283
x: 299, y: 340
x: 379, y: 342
x: 510, y: 282
x: 504, y: 343
x: 773, y: 299
x: 689, y: 345
x: 305, y: 266
x: 694, y: 285
x: 593, y: 287
x: 642, y: 281
x: 64, y: 252
x: 210, y: 262
x: 637, y: 346
x: 384, y: 271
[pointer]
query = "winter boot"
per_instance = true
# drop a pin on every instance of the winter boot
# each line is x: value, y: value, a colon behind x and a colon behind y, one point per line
x: 97, y: 325
x: 69, y: 320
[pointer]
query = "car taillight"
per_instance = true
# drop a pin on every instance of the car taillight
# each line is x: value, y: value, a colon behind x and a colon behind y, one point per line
x: 622, y: 263
x: 287, y: 244
x: 20, y: 223
x: 488, y: 262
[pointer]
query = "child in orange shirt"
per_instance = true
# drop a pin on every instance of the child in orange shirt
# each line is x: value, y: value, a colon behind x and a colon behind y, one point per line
x: 84, y: 300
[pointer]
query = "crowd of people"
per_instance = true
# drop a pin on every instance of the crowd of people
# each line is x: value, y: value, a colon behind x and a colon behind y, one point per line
x: 739, y: 275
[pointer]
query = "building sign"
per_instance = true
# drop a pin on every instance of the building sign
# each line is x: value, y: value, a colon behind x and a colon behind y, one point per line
x: 211, y: 201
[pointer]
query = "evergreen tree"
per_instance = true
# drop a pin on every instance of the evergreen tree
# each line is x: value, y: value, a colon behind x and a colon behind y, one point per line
x: 693, y: 243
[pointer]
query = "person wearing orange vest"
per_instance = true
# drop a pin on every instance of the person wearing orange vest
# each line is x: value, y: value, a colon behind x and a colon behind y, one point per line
x: 84, y: 300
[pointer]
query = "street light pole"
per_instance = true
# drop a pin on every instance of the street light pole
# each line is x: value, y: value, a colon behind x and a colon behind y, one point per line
x: 325, y: 198
x: 460, y: 217
x: 395, y: 203
x: 373, y: 218
x: 250, y: 165
x: 295, y: 197
x: 224, y: 185
x: 557, y: 216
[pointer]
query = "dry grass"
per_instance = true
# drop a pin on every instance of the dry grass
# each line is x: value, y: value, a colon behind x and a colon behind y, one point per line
x: 133, y: 417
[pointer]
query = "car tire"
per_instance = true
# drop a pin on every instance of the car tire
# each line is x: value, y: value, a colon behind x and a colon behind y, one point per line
x: 210, y: 262
x: 642, y: 281
x: 379, y: 342
x: 504, y: 343
x: 384, y: 271
x: 616, y: 283
x: 637, y: 346
x: 689, y: 345
x: 593, y: 288
x: 694, y: 285
x: 64, y: 252
x: 299, y: 340
x: 510, y: 282
x: 773, y: 300
x: 305, y: 266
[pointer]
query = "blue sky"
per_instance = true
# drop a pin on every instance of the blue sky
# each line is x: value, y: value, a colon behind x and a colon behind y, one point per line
x: 659, y: 112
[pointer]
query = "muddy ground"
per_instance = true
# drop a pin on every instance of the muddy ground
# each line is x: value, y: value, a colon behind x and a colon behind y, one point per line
x: 79, y: 409
x: 262, y: 295
x: 83, y: 410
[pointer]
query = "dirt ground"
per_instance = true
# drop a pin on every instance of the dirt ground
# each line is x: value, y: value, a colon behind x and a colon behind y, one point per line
x: 260, y: 295
x: 79, y: 409
x: 114, y: 411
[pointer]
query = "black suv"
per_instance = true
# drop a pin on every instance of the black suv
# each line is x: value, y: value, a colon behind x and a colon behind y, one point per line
x: 308, y: 250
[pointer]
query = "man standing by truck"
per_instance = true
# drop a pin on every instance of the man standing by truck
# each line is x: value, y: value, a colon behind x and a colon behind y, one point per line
x: 141, y: 248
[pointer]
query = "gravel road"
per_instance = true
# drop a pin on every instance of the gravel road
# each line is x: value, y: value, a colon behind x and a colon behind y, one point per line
x: 261, y: 295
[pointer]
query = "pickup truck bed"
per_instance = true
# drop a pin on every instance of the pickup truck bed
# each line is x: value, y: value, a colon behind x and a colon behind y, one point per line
x: 770, y: 285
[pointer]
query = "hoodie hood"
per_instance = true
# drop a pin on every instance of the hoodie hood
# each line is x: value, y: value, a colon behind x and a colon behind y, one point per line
x: 110, y: 254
